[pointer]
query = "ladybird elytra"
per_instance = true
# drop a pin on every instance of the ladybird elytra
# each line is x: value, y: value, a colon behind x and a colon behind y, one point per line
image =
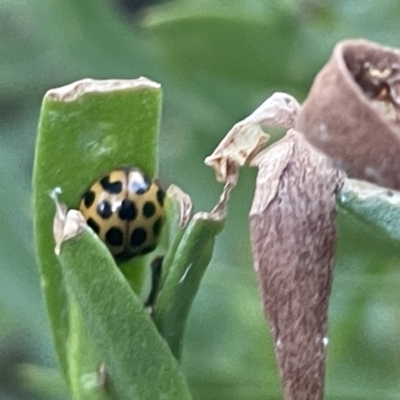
x: 126, y: 210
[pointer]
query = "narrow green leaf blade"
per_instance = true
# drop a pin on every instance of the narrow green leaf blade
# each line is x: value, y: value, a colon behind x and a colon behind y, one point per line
x: 137, y: 361
x: 375, y: 205
x: 86, y: 129
x: 178, y: 206
x: 185, y: 271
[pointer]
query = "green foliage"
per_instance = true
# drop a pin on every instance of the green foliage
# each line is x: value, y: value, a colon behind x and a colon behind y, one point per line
x: 97, y: 320
x: 78, y: 141
x: 186, y: 267
x: 376, y: 206
x: 138, y: 363
x: 49, y: 43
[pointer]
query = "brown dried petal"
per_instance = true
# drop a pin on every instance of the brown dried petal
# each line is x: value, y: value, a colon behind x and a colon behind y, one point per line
x: 240, y: 144
x: 75, y: 223
x: 185, y: 204
x: 246, y: 138
x: 352, y: 112
x: 292, y: 223
x: 66, y: 224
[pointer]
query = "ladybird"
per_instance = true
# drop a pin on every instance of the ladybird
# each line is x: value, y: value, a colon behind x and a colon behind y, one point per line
x: 126, y: 210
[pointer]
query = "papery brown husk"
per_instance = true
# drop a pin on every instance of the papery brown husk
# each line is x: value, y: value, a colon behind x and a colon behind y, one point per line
x: 340, y: 116
x: 292, y: 225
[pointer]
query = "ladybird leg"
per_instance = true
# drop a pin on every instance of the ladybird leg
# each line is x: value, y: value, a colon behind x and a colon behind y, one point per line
x: 156, y: 270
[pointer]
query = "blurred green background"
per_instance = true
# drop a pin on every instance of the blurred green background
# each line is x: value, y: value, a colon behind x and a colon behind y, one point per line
x: 217, y: 61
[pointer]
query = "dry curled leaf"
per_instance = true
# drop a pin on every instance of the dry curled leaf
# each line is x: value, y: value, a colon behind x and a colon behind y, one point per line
x: 220, y: 209
x: 352, y: 112
x: 246, y: 138
x: 66, y: 224
x: 185, y: 204
x: 292, y: 223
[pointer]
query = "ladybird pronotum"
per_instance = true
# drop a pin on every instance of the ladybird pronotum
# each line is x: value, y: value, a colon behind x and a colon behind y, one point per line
x: 126, y: 210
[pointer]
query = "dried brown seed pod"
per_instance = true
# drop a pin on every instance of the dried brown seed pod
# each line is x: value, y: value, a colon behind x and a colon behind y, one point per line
x: 292, y: 226
x: 352, y: 112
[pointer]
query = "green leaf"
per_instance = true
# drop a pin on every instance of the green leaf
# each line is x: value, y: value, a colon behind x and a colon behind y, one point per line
x: 137, y: 362
x: 85, y: 130
x: 185, y: 271
x: 178, y: 208
x: 377, y: 206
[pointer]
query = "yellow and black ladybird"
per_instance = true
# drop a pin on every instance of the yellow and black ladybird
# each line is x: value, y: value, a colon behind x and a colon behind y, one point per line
x: 126, y: 210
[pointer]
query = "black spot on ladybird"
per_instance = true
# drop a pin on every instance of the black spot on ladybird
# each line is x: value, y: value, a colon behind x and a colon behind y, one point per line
x: 112, y: 188
x: 127, y: 211
x: 104, y: 209
x: 160, y: 197
x: 138, y: 237
x: 88, y: 198
x: 149, y: 209
x: 94, y: 225
x: 157, y: 227
x: 115, y: 237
